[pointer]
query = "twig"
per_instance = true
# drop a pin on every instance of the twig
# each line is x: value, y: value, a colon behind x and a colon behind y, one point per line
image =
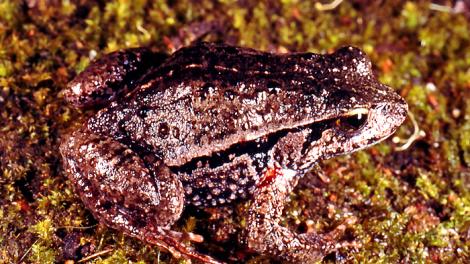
x: 441, y: 8
x: 417, y: 134
x: 27, y: 251
x: 326, y: 7
x: 97, y: 254
x: 76, y: 227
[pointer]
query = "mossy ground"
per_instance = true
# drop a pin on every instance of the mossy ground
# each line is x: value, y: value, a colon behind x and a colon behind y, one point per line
x: 413, y: 206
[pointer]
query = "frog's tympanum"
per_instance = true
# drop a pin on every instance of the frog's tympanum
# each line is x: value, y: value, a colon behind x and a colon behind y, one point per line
x: 213, y: 124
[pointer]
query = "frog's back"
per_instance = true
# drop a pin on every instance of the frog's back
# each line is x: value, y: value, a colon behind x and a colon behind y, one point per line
x: 208, y: 97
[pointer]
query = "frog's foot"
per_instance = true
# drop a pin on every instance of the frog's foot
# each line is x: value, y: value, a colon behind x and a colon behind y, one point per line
x: 124, y: 192
x: 173, y: 242
x: 266, y: 236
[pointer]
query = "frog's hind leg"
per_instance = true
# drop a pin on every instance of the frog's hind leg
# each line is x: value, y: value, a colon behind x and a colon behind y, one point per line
x: 111, y: 76
x: 123, y: 193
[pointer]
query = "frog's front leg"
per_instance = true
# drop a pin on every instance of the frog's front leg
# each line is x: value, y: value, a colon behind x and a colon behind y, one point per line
x: 127, y: 193
x: 264, y: 234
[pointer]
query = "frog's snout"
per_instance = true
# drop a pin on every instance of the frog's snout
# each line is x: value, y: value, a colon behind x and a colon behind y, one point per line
x: 394, y: 111
x: 388, y: 111
x: 386, y: 117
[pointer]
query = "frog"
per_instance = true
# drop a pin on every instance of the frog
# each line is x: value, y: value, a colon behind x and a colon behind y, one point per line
x: 213, y: 125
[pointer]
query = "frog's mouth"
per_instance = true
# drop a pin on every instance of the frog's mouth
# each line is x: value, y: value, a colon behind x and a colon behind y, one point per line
x: 259, y: 148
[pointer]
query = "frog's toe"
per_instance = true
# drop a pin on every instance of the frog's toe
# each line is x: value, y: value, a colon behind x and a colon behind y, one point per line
x: 338, y: 232
x: 173, y: 241
x: 187, y: 236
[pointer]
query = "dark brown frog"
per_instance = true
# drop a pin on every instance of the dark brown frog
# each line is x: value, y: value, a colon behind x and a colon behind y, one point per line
x: 213, y: 124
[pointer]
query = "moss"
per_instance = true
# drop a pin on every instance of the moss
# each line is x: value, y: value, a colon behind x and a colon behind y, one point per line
x: 10, y: 13
x: 82, y: 64
x: 42, y: 254
x: 464, y: 141
x: 5, y: 68
x: 411, y: 16
x: 427, y: 188
x: 44, y: 229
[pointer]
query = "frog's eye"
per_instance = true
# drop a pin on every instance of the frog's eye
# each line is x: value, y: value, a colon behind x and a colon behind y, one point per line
x: 353, y: 120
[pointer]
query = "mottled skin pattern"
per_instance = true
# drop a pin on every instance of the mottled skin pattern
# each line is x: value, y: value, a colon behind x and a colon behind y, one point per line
x: 213, y: 124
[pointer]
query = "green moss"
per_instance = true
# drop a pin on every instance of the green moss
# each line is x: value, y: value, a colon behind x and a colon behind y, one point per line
x: 42, y: 254
x: 82, y: 64
x: 5, y: 68
x: 427, y: 188
x: 412, y: 17
x: 44, y: 229
x: 417, y: 97
x: 451, y: 151
x: 368, y: 170
x: 10, y: 12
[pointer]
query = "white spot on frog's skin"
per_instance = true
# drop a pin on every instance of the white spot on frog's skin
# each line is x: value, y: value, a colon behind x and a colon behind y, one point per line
x: 242, y: 181
x: 77, y: 88
x: 362, y: 68
x: 174, y: 202
x: 193, y: 66
x: 216, y: 191
x: 223, y: 68
x: 188, y: 190
x: 381, y: 92
x: 288, y: 173
x: 233, y: 187
x: 102, y: 166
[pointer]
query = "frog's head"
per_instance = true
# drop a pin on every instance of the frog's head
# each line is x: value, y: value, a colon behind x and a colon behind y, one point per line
x: 360, y: 110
